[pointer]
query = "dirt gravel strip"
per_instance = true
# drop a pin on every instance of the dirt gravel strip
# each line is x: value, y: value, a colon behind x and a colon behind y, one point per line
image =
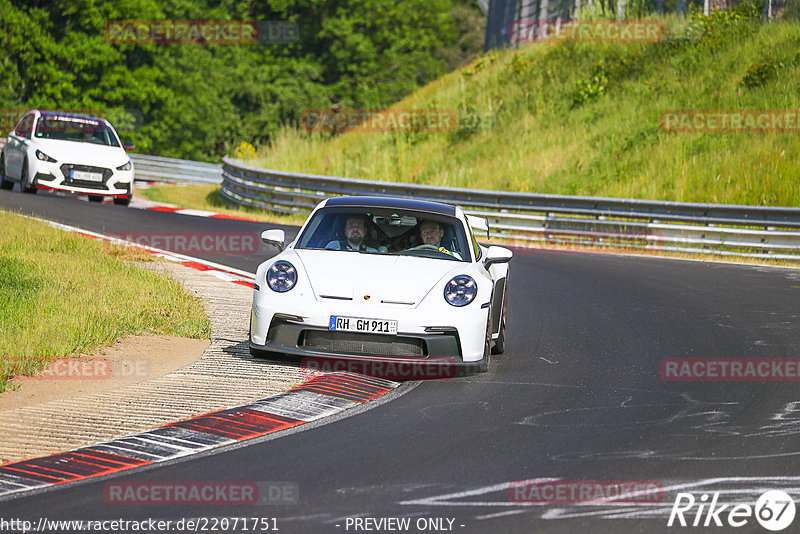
x: 225, y: 375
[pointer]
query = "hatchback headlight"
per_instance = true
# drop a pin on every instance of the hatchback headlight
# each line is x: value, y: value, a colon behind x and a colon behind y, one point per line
x: 44, y: 157
x: 460, y: 291
x: 282, y: 276
x: 125, y: 167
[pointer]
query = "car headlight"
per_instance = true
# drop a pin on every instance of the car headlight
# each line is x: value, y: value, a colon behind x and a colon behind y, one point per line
x: 461, y: 290
x: 44, y: 157
x: 282, y: 276
x: 125, y: 167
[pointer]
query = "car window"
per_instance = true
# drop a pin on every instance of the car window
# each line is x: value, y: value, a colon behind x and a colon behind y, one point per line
x: 386, y: 231
x: 77, y: 129
x: 24, y: 126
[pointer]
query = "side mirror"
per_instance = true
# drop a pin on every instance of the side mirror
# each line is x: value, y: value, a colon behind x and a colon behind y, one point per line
x: 128, y: 146
x: 497, y: 255
x: 275, y: 238
x: 478, y: 223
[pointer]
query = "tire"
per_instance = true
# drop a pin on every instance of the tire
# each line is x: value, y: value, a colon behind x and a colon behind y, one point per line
x: 23, y: 180
x: 124, y: 201
x: 95, y: 198
x: 487, y: 347
x: 8, y: 185
x: 500, y: 343
x: 255, y: 353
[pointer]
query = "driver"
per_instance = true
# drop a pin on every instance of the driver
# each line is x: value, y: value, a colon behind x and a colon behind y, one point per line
x: 88, y: 135
x: 355, y: 232
x: 431, y: 233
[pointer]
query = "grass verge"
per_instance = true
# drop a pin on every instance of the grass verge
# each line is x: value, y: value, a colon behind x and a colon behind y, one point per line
x: 62, y: 294
x: 207, y: 197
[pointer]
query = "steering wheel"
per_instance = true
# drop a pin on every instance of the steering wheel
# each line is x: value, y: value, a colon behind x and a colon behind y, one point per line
x: 425, y: 247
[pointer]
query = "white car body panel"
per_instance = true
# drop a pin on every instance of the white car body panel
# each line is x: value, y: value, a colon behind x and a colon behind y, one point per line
x: 49, y: 175
x: 334, y: 273
x: 406, y: 289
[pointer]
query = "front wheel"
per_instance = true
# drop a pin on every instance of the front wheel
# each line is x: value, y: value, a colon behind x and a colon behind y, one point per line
x: 122, y: 201
x: 25, y: 180
x: 95, y: 198
x: 4, y: 183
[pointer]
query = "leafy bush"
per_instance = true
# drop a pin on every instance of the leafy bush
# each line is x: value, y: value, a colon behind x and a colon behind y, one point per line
x: 760, y: 73
x: 199, y: 101
x: 719, y: 26
x: 244, y: 150
x: 591, y: 87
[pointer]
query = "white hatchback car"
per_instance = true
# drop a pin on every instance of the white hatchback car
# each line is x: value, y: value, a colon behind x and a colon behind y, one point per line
x: 67, y: 152
x: 383, y: 279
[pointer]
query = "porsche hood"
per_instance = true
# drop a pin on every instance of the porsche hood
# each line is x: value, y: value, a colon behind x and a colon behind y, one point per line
x: 378, y: 278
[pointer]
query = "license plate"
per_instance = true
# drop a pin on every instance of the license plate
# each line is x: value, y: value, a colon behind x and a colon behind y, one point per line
x: 86, y: 176
x: 362, y: 324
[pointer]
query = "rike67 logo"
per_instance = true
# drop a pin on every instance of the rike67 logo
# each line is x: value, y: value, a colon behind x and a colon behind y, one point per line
x: 774, y: 510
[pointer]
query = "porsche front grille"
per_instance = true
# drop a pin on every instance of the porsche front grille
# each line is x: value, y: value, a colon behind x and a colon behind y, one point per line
x: 362, y: 344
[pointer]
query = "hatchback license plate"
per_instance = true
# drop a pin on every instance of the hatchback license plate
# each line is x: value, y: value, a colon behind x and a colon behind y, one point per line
x: 86, y: 176
x: 362, y: 324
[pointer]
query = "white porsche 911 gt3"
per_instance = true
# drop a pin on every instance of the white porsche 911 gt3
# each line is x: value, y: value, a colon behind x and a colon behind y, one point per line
x: 383, y: 279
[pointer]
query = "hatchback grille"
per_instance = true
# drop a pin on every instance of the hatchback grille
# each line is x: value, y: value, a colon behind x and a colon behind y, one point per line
x: 362, y: 344
x: 67, y: 167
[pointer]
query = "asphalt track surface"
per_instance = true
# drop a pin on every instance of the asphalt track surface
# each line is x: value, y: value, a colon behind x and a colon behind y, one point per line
x: 577, y: 396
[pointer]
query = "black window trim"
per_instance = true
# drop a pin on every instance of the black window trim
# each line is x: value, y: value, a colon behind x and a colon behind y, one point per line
x: 30, y: 114
x: 345, y: 207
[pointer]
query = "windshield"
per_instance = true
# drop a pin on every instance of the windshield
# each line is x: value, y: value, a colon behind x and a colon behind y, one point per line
x: 386, y: 231
x: 78, y: 129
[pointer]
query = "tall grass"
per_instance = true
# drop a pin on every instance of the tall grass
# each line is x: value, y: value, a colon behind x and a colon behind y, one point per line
x: 584, y: 118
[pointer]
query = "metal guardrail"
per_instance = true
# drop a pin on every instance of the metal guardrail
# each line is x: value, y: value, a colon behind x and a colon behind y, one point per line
x: 158, y: 169
x: 755, y: 231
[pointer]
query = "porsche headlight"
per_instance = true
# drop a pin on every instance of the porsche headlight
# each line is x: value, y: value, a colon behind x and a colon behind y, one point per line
x: 282, y: 276
x: 460, y: 291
